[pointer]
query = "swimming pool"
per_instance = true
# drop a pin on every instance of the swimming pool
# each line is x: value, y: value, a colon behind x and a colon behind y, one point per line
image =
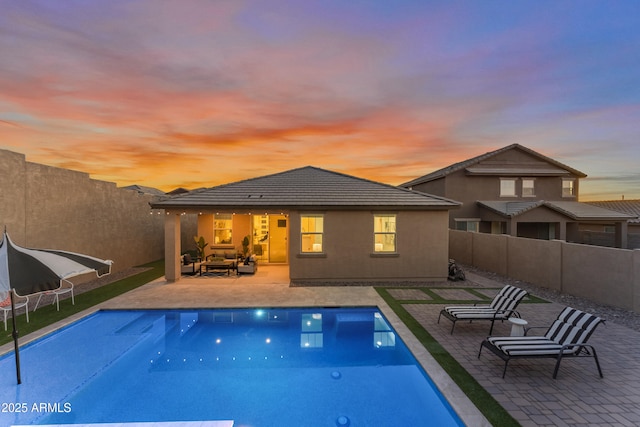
x: 256, y: 367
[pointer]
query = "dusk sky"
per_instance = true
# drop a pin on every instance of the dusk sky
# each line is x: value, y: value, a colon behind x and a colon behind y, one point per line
x: 189, y: 93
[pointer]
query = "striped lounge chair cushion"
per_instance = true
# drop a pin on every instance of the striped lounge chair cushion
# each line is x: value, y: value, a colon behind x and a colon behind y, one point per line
x: 501, y: 307
x: 571, y: 327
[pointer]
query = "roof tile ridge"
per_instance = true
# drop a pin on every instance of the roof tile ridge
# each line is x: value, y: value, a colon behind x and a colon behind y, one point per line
x: 460, y: 165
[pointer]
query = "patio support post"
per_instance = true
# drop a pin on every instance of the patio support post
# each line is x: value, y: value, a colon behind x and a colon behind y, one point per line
x: 621, y: 234
x: 563, y: 231
x: 172, y: 247
x: 512, y: 227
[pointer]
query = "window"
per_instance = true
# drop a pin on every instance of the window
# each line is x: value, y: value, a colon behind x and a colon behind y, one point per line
x: 222, y: 229
x: 311, y: 229
x: 568, y: 188
x: 528, y: 187
x: 467, y: 224
x: 311, y: 327
x: 384, y: 233
x: 507, y: 187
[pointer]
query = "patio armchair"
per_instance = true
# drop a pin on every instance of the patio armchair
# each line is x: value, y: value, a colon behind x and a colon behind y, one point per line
x: 566, y: 337
x: 66, y: 287
x: 19, y: 302
x: 501, y: 308
x: 189, y: 265
x: 248, y: 266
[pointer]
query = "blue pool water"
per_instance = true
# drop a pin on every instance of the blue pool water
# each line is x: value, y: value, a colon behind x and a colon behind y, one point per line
x: 271, y: 367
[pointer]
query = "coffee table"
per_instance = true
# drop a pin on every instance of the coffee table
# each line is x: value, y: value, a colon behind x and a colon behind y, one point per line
x: 226, y: 264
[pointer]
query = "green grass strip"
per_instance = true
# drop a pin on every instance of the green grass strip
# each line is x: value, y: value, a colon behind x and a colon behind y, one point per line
x: 488, y: 406
x: 47, y: 315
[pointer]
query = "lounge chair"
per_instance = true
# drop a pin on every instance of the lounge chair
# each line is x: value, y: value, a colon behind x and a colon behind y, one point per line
x: 566, y: 337
x: 5, y: 305
x: 501, y: 308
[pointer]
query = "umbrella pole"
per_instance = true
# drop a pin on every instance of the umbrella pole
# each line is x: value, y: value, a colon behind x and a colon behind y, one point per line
x: 14, y: 334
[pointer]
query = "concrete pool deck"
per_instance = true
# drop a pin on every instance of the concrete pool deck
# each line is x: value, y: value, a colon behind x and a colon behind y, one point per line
x: 577, y: 397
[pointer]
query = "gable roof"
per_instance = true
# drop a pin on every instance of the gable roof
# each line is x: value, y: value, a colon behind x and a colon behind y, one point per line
x: 307, y: 187
x: 630, y: 207
x: 577, y: 211
x: 555, y: 167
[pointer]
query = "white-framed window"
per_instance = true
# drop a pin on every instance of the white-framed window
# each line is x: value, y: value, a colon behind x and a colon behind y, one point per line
x: 568, y: 187
x: 384, y: 233
x: 467, y: 224
x: 311, y: 233
x: 507, y: 187
x: 528, y: 187
x: 223, y: 229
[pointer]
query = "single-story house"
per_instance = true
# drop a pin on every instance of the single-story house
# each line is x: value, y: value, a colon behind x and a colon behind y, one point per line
x: 328, y: 227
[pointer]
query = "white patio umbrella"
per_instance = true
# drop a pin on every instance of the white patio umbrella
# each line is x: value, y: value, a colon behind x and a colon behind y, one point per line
x: 29, y: 271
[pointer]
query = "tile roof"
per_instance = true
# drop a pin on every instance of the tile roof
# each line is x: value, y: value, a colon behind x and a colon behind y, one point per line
x: 630, y: 207
x: 307, y: 187
x: 440, y: 173
x: 585, y: 211
x: 575, y: 210
x: 510, y: 209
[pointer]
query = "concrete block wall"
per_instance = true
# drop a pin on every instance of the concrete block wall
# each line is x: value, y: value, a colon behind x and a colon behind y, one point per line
x: 636, y: 282
x: 536, y: 261
x: 605, y: 275
x: 49, y: 207
x: 598, y: 273
x: 490, y: 252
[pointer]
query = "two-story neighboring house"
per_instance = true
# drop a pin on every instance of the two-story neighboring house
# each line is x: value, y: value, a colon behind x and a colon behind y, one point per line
x: 517, y: 191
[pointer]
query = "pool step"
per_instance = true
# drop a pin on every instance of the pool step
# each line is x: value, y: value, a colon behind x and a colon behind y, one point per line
x: 159, y: 424
x: 139, y: 325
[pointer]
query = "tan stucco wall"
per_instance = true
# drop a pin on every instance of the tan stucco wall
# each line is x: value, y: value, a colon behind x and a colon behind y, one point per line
x: 48, y: 207
x: 205, y: 222
x: 526, y: 256
x: 605, y: 275
x: 602, y: 274
x: 422, y: 249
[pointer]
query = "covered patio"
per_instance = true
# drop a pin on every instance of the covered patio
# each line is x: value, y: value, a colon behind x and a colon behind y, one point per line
x: 326, y: 226
x: 540, y: 219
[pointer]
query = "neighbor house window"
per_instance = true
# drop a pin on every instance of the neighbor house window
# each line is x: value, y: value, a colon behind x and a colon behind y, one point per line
x: 507, y: 187
x: 311, y: 230
x: 384, y: 233
x: 222, y: 229
x: 568, y: 187
x: 467, y: 224
x: 528, y: 187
